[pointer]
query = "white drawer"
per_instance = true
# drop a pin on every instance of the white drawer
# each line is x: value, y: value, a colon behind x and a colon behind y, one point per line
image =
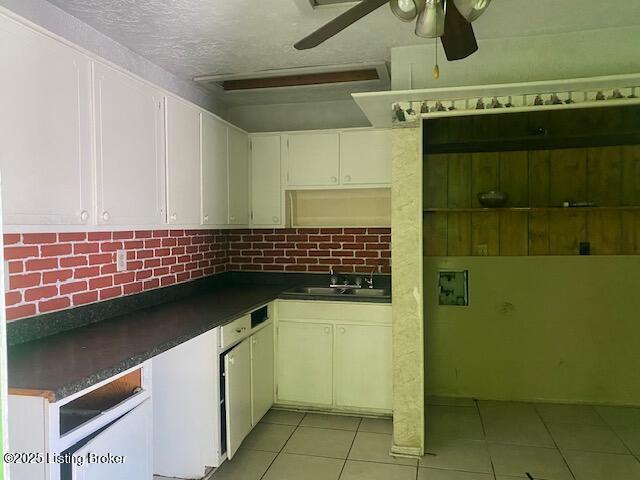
x: 235, y: 331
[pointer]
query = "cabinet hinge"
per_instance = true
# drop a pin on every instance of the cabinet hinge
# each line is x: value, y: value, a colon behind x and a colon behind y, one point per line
x: 287, y: 143
x: 250, y: 144
x: 251, y: 215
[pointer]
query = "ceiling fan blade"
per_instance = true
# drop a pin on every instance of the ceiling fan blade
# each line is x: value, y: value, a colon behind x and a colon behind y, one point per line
x: 458, y: 40
x: 339, y: 23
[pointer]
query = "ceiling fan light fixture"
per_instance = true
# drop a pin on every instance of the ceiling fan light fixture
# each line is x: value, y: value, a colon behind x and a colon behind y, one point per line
x: 406, y: 10
x: 471, y: 9
x: 430, y: 22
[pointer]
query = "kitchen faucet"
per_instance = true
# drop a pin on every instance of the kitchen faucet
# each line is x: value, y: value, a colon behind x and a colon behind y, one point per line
x: 369, y: 281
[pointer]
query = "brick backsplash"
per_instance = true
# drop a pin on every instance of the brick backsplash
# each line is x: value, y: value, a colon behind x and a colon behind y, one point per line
x: 55, y: 271
x: 311, y: 250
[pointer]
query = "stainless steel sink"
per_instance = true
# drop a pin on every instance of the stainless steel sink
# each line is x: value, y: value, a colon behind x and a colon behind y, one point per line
x: 339, y: 292
x: 314, y: 291
x: 371, y: 292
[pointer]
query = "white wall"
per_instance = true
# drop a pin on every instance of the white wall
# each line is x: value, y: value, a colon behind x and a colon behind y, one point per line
x: 521, y: 59
x: 298, y: 116
x: 549, y: 328
x: 70, y: 28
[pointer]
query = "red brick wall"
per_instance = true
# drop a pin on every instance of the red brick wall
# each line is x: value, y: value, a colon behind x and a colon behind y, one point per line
x: 311, y: 250
x: 54, y: 271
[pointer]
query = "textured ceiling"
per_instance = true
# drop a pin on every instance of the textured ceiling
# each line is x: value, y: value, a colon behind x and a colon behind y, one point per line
x: 198, y: 37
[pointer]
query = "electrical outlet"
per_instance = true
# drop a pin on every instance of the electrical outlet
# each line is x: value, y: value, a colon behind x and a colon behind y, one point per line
x: 121, y: 260
x: 483, y: 250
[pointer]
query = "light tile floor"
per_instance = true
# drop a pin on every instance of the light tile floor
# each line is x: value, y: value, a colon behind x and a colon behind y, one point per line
x: 467, y: 440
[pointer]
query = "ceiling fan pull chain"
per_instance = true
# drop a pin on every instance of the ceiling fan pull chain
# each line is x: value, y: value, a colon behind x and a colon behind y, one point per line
x: 436, y: 69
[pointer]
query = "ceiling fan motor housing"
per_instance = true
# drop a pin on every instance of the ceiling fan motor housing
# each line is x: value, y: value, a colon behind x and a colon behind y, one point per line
x: 407, y: 10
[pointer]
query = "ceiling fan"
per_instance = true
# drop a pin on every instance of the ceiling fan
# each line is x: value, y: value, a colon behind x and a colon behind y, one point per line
x: 448, y: 19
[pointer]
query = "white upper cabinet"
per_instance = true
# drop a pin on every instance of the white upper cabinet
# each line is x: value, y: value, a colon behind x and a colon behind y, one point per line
x: 129, y: 117
x: 238, y: 177
x: 365, y: 157
x: 183, y: 163
x: 266, y: 191
x: 45, y: 129
x: 215, y: 199
x: 313, y: 159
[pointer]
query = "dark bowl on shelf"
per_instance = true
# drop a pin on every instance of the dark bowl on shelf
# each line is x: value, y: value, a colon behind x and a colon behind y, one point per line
x: 492, y: 199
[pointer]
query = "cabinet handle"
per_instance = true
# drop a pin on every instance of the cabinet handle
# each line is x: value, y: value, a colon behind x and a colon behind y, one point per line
x: 206, y: 218
x: 327, y: 330
x: 84, y: 215
x: 342, y: 330
x: 334, y: 179
x: 240, y: 330
x: 174, y: 216
x: 106, y: 216
x: 347, y: 178
x: 232, y: 218
x: 276, y: 219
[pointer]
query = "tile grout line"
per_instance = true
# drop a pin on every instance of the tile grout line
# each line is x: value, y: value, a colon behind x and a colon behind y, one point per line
x: 353, y: 440
x: 484, y: 434
x: 615, y: 432
x: 535, y: 408
x: 283, y: 445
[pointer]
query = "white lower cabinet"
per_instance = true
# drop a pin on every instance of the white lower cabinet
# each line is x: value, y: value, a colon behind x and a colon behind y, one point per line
x: 261, y: 373
x: 186, y: 416
x: 304, y: 363
x: 128, y: 442
x: 362, y: 362
x: 334, y: 356
x: 237, y: 381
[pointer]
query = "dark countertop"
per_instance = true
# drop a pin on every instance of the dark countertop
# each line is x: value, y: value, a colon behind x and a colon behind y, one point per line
x: 67, y: 362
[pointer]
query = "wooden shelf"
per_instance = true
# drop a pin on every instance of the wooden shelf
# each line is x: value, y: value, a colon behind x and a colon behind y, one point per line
x: 528, y: 209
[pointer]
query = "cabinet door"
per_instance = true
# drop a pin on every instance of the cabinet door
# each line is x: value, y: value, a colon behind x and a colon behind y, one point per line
x: 365, y: 157
x: 129, y: 436
x: 266, y: 189
x: 45, y: 129
x: 237, y: 395
x: 183, y: 163
x: 185, y: 418
x: 313, y: 160
x: 363, y: 366
x: 305, y: 363
x: 238, y: 177
x: 215, y: 201
x: 129, y: 149
x: 261, y: 373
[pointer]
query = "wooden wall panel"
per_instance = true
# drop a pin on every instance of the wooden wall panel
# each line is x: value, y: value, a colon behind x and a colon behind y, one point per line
x: 484, y: 174
x: 485, y: 233
x: 514, y: 233
x: 435, y: 234
x: 566, y: 231
x: 630, y: 189
x: 630, y: 233
x: 458, y: 234
x: 567, y: 176
x: 604, y: 175
x: 459, y: 180
x: 514, y: 179
x: 539, y: 233
x: 604, y: 231
x: 435, y: 181
x: 539, y: 178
